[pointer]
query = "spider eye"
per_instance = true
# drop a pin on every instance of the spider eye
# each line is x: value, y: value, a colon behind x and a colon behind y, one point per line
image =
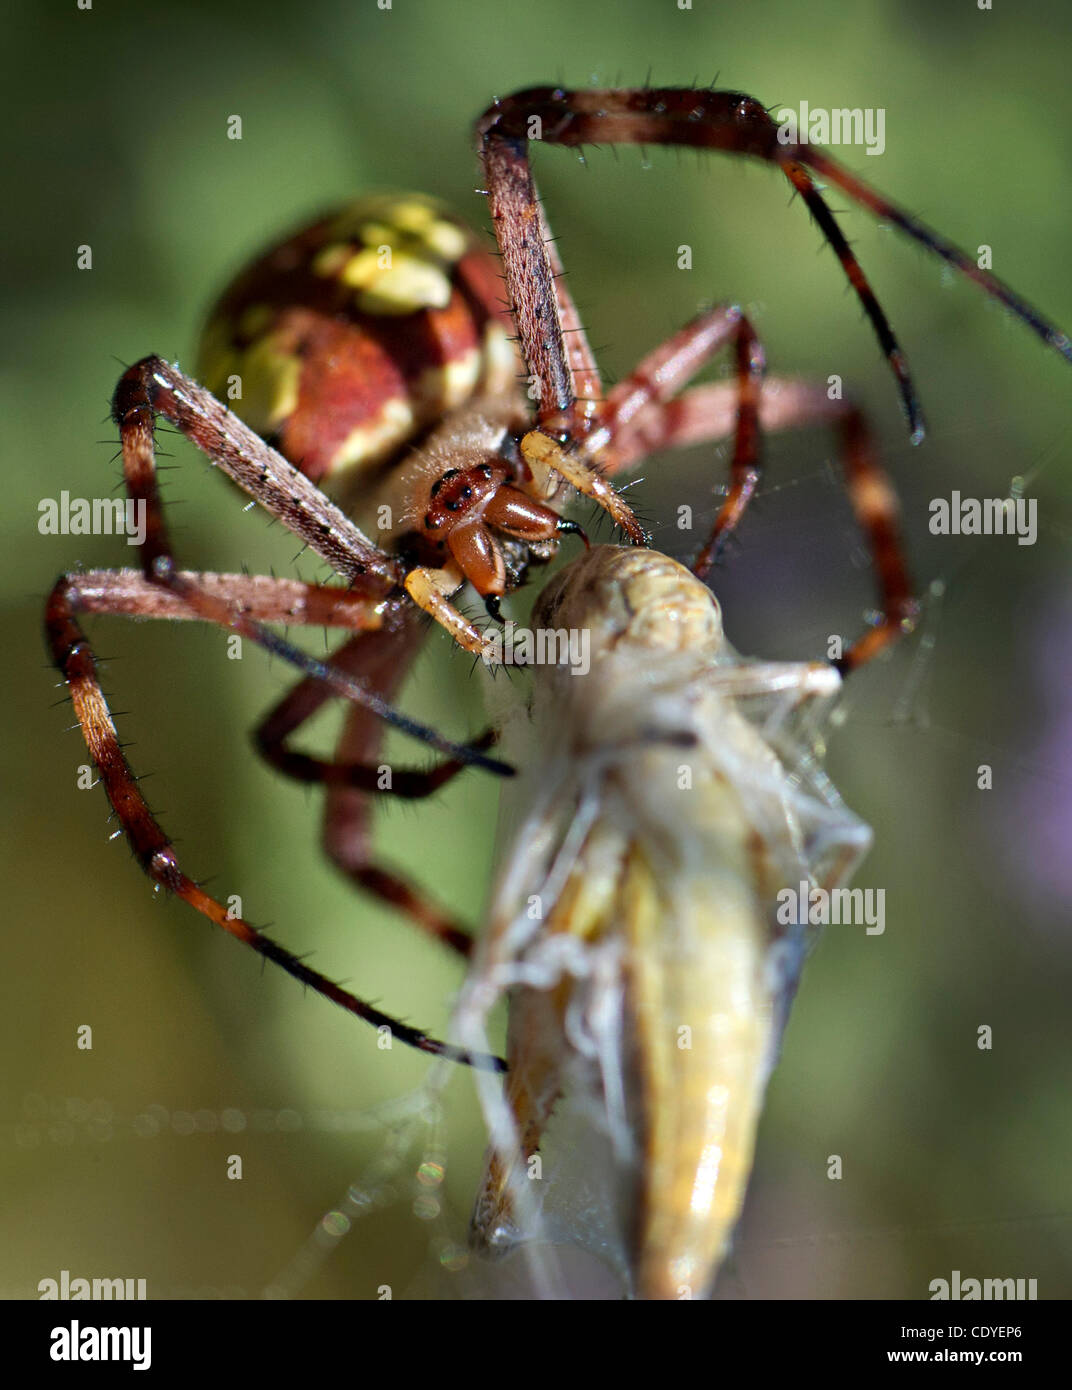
x: 432, y: 522
x: 443, y: 478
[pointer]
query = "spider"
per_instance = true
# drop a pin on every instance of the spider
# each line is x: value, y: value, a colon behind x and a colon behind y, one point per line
x: 371, y: 354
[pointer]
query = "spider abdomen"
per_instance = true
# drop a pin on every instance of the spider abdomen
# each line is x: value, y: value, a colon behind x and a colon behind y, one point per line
x: 344, y: 343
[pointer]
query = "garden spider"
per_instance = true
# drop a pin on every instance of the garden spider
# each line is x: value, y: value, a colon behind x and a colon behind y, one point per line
x: 374, y: 349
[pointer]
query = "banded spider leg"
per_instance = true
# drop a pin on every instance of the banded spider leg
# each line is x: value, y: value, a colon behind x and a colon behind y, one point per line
x: 244, y: 604
x: 704, y: 119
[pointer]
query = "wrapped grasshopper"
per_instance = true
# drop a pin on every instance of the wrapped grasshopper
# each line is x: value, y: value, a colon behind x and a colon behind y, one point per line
x: 636, y: 928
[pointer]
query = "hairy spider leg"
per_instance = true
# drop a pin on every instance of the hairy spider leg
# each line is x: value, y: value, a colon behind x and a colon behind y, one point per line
x: 381, y: 659
x: 149, y: 842
x: 730, y: 122
x: 154, y: 387
x: 703, y: 414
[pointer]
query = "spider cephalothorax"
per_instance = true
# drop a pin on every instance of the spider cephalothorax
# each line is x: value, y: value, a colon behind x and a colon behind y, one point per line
x: 371, y: 364
x: 465, y: 508
x: 373, y: 350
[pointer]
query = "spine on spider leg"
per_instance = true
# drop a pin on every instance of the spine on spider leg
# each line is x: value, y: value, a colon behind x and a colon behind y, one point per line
x: 887, y: 211
x: 154, y: 850
x: 734, y: 123
x: 513, y: 202
x: 151, y: 386
x: 727, y: 121
x: 154, y: 387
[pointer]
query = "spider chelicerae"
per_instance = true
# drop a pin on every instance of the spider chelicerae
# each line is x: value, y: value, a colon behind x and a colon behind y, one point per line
x: 377, y: 354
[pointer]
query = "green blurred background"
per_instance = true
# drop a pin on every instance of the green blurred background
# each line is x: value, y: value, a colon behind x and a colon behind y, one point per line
x: 953, y: 1158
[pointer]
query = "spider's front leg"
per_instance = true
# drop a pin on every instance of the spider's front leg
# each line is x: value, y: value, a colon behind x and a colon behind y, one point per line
x: 239, y: 603
x: 725, y: 121
x: 645, y: 413
x: 153, y: 387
